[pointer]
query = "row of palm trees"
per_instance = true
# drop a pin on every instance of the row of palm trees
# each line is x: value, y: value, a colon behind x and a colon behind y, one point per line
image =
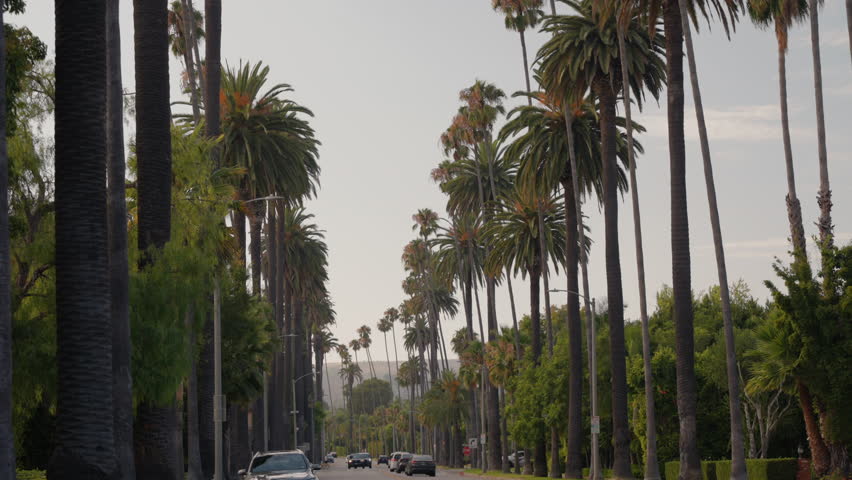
x: 505, y: 215
x: 263, y: 140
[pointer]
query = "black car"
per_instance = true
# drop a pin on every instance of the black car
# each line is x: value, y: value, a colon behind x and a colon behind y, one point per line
x: 420, y: 464
x: 359, y: 460
x: 403, y: 462
x: 382, y: 459
x: 292, y: 465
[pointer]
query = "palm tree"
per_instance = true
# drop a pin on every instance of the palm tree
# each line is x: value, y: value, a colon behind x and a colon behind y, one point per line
x: 7, y: 458
x: 118, y: 262
x: 364, y: 339
x: 781, y: 14
x: 385, y: 325
x: 738, y: 466
x: 211, y: 82
x: 585, y: 50
x: 514, y: 237
x: 520, y: 16
x: 540, y: 146
x: 154, y: 457
x: 349, y: 373
x: 824, y: 194
x: 185, y: 25
x: 84, y: 434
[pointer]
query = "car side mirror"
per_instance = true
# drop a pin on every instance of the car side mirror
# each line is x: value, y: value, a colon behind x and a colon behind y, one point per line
x: 316, y: 466
x: 241, y: 472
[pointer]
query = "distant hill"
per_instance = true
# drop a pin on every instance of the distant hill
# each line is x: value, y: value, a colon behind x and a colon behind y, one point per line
x: 381, y: 368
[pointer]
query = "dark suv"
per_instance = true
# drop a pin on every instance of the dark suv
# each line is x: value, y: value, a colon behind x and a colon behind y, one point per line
x: 382, y: 459
x: 360, y: 460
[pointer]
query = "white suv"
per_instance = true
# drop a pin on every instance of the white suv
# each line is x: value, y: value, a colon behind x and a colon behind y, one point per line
x: 393, y: 462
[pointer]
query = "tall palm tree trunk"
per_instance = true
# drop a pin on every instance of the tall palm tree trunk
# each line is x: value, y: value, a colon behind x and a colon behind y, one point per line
x: 687, y: 395
x: 820, y: 455
x: 620, y: 425
x: 738, y: 466
x: 574, y: 460
x: 578, y: 205
x: 540, y: 458
x: 652, y: 469
x: 154, y: 439
x: 794, y: 208
x: 554, y: 434
x: 255, y: 249
x: 193, y: 452
x: 824, y: 195
x: 526, y: 63
x: 7, y: 443
x: 118, y: 263
x: 84, y: 435
x: 396, y: 360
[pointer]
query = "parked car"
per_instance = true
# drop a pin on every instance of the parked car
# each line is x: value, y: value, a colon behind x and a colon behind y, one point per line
x: 394, y: 460
x: 382, y: 459
x: 293, y: 464
x: 328, y: 459
x: 403, y: 461
x: 519, y: 455
x: 359, y: 460
x: 333, y: 454
x: 420, y: 464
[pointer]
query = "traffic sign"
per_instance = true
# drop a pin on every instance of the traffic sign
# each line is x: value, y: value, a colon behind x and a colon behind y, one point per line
x: 596, y: 425
x: 472, y: 442
x: 466, y: 450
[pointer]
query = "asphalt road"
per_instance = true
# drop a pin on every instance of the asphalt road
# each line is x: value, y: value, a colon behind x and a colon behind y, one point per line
x: 338, y: 471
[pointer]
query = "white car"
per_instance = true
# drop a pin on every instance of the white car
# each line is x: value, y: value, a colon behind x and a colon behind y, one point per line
x: 393, y: 461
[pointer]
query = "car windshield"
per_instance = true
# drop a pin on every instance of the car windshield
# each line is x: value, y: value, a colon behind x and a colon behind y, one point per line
x: 422, y: 458
x: 407, y: 456
x: 279, y: 462
x: 361, y: 455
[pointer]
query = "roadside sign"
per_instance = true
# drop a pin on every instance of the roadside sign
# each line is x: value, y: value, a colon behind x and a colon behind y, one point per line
x: 482, y: 439
x: 466, y: 450
x: 596, y: 425
x: 472, y: 443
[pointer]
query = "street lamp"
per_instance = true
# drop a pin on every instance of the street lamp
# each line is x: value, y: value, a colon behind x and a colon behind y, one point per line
x: 294, y: 411
x: 593, y: 366
x: 219, y: 412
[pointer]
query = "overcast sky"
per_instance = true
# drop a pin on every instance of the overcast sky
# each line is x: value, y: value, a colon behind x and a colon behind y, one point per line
x: 382, y: 77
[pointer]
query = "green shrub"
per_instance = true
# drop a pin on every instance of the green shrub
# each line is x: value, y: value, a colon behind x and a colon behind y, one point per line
x: 708, y: 470
x: 758, y: 469
x: 30, y: 475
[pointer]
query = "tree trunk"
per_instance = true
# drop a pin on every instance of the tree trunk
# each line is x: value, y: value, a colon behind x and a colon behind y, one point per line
x: 824, y: 195
x: 154, y: 439
x: 7, y: 442
x: 574, y: 460
x: 652, y: 469
x: 526, y: 64
x: 193, y: 453
x: 504, y: 440
x: 540, y: 460
x: 690, y: 467
x: 118, y: 261
x: 205, y: 399
x: 820, y: 457
x: 738, y: 466
x: 620, y: 422
x: 794, y: 208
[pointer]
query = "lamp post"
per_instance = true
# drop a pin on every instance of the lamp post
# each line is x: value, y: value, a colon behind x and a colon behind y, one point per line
x: 294, y: 411
x: 593, y: 375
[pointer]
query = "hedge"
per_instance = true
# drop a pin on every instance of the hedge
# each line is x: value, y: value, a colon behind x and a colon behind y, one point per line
x: 638, y: 472
x: 758, y: 469
x: 30, y: 475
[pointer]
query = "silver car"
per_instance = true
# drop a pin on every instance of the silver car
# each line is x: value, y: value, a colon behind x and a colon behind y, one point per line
x: 290, y: 465
x: 393, y: 462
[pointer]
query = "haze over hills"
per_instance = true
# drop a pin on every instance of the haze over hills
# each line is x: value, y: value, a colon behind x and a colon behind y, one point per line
x: 332, y: 383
